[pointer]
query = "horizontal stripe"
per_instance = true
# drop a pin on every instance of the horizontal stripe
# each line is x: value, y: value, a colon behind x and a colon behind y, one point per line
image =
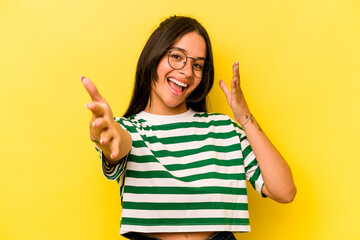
x: 169, y: 182
x: 184, y: 205
x: 185, y: 172
x: 246, y: 151
x: 197, y: 228
x: 145, y: 132
x: 186, y: 125
x: 190, y: 145
x: 186, y: 139
x: 135, y: 126
x: 206, y: 115
x: 145, y: 155
x: 255, y: 177
x: 250, y: 173
x: 178, y: 214
x: 195, y: 177
x: 187, y: 152
x: 185, y: 190
x: 259, y: 183
x: 250, y: 160
x: 185, y: 221
x: 206, y: 162
x: 190, y: 198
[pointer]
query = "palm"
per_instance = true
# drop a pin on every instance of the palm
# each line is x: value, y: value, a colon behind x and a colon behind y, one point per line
x: 235, y: 96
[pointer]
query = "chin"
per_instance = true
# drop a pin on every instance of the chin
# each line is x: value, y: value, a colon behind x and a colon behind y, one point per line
x: 173, y: 102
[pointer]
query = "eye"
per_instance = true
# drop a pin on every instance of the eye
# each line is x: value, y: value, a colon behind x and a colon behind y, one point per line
x: 177, y: 56
x: 199, y: 65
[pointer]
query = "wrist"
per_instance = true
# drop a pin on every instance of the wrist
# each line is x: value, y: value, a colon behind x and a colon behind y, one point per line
x: 243, y: 116
x: 249, y: 122
x: 107, y: 158
x: 246, y: 119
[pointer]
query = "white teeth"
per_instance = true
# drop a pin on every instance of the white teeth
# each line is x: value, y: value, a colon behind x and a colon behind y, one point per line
x: 178, y: 82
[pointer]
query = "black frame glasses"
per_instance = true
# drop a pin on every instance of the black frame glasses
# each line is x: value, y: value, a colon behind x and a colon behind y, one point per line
x: 199, y: 66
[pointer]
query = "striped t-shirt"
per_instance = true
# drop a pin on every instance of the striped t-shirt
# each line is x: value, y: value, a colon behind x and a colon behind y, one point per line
x: 185, y: 173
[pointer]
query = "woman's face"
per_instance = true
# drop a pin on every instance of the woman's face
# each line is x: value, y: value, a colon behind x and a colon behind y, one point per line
x: 169, y: 93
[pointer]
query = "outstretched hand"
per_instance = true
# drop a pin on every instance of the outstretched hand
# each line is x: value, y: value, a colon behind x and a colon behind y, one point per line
x: 235, y: 97
x: 103, y: 130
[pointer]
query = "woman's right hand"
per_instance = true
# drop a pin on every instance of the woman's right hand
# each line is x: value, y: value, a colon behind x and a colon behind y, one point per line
x: 104, y: 130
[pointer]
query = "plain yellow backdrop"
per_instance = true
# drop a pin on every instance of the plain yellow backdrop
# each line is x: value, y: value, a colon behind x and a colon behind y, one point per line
x: 300, y: 72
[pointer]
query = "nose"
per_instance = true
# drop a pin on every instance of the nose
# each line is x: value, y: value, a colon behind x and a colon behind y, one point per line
x: 187, y: 69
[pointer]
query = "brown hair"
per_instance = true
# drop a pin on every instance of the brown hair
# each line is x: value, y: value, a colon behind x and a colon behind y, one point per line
x: 169, y: 31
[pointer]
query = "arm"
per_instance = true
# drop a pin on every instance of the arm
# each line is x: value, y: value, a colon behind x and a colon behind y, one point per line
x: 278, y: 181
x: 114, y: 141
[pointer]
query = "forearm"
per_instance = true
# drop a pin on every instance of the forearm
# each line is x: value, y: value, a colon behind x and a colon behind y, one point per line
x: 279, y: 184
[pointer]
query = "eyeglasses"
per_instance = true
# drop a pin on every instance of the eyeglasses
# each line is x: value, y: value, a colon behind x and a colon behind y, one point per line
x: 177, y: 60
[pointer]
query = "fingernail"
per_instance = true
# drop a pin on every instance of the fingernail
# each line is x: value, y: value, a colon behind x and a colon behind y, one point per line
x: 101, y: 141
x: 93, y: 124
x: 82, y: 78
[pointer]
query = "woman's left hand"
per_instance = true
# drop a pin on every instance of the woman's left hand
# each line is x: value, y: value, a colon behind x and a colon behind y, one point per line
x: 278, y: 181
x: 235, y: 97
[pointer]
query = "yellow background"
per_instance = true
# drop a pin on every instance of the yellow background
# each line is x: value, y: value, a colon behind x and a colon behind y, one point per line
x: 300, y: 71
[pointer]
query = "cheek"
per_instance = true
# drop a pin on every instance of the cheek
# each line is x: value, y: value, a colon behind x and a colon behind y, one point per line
x: 163, y: 68
x: 197, y: 82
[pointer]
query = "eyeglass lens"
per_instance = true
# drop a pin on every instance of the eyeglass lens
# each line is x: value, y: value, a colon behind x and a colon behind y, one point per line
x: 178, y: 59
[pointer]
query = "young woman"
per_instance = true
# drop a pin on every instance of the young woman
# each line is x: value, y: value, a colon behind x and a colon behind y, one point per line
x: 181, y: 170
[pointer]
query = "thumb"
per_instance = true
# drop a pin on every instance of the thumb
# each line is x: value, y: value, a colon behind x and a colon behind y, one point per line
x: 91, y: 89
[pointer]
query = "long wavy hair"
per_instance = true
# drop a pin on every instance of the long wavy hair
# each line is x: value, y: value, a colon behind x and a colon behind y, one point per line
x: 168, y: 32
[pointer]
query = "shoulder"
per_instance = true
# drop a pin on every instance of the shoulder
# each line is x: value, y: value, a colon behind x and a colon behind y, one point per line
x: 217, y: 117
x: 211, y: 116
x: 221, y: 119
x: 130, y: 124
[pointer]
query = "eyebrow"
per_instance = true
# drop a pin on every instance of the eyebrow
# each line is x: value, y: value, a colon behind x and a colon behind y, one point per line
x: 183, y: 50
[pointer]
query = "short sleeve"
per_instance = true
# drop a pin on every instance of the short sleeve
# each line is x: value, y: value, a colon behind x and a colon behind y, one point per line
x: 252, y: 169
x: 111, y: 171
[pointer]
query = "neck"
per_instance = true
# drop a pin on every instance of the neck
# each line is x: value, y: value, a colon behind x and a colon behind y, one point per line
x: 164, y: 110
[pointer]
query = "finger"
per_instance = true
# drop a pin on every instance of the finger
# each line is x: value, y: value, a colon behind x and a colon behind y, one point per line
x: 224, y: 88
x: 234, y: 89
x: 95, y: 132
x: 114, y: 147
x: 234, y: 70
x: 96, y: 108
x: 236, y: 75
x: 105, y: 137
x: 99, y: 124
x: 91, y: 89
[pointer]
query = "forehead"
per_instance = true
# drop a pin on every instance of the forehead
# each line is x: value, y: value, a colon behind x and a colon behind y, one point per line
x: 193, y: 44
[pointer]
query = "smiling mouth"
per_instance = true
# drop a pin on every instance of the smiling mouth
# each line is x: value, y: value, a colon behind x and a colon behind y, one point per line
x: 177, y: 86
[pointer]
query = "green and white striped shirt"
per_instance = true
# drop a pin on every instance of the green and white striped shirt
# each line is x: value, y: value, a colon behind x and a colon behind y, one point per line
x: 185, y: 173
